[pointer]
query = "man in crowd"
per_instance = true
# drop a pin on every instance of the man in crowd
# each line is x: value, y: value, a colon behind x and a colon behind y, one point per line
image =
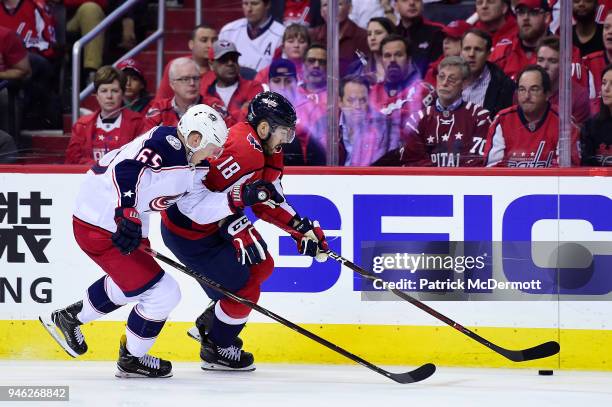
x: 452, y: 133
x: 451, y: 46
x: 403, y: 91
x: 533, y: 18
x: 202, y: 38
x: 548, y: 57
x: 313, y: 107
x: 526, y: 135
x: 496, y: 19
x: 257, y: 35
x: 184, y: 76
x: 351, y: 37
x: 226, y: 91
x: 487, y: 85
x: 136, y: 97
x: 587, y: 33
x: 425, y: 36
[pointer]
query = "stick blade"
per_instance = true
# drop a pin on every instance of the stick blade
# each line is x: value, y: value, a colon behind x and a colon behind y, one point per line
x: 416, y: 375
x: 540, y: 351
x: 543, y: 350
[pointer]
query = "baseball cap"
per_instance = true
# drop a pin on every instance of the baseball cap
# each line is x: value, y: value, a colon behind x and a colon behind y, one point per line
x: 133, y: 65
x: 283, y: 68
x: 456, y: 29
x: 543, y: 4
x: 220, y: 48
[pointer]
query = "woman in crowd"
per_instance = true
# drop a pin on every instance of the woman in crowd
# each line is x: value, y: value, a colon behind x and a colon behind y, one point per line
x: 371, y: 65
x: 295, y: 42
x: 596, y: 135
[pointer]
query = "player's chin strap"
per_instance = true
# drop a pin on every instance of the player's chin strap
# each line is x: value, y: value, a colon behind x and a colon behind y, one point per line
x: 537, y: 352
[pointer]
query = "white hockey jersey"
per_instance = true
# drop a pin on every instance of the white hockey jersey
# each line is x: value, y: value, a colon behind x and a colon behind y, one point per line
x: 256, y: 53
x: 150, y: 174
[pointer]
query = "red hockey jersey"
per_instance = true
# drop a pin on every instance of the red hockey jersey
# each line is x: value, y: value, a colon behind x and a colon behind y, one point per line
x: 511, y: 142
x: 596, y: 62
x: 446, y: 138
x: 34, y: 24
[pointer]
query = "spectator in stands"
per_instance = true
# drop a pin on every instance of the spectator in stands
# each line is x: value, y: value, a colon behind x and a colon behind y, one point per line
x: 14, y: 68
x: 313, y: 91
x: 526, y: 135
x: 257, y: 35
x: 351, y: 38
x: 295, y: 42
x: 184, y: 76
x: 596, y: 134
x: 110, y: 127
x: 487, y: 85
x: 450, y: 134
x: 136, y: 97
x: 35, y: 26
x: 451, y: 47
x: 83, y: 16
x: 202, y: 38
x: 496, y: 19
x: 533, y: 18
x: 14, y: 63
x: 548, y: 55
x: 303, y: 150
x: 425, y: 36
x: 227, y: 92
x: 597, y: 61
x: 363, y: 134
x: 365, y: 10
x: 371, y: 65
x: 8, y: 150
x: 587, y: 33
x: 304, y: 12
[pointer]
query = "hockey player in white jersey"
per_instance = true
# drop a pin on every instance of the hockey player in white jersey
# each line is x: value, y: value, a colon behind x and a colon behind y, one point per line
x: 257, y: 35
x: 110, y: 221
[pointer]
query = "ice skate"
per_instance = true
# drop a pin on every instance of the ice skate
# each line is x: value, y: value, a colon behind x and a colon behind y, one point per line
x: 231, y: 358
x: 64, y: 326
x: 202, y: 326
x: 129, y: 366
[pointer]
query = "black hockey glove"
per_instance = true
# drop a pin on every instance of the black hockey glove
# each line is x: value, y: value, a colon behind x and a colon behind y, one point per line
x: 129, y: 230
x: 260, y: 191
x: 250, y: 246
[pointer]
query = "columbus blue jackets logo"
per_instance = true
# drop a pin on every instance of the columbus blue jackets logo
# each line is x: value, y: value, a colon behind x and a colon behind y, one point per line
x: 164, y: 202
x: 174, y: 142
x: 254, y: 143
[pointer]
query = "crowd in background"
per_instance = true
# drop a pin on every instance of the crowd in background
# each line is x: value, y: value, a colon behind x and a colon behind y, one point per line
x: 418, y: 85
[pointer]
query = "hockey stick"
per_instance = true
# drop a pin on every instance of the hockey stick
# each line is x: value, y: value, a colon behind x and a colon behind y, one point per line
x: 421, y: 373
x: 537, y: 352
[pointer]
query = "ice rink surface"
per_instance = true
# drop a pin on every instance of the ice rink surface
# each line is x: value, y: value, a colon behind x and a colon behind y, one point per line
x: 94, y: 384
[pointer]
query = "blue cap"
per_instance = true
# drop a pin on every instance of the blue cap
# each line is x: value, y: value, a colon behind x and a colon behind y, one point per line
x: 282, y: 67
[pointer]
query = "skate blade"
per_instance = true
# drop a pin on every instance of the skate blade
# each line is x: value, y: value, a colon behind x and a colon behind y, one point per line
x: 48, y: 324
x: 122, y: 374
x: 222, y: 368
x: 194, y: 333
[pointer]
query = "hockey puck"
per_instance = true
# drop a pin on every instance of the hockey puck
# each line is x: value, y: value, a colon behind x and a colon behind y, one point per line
x: 545, y: 372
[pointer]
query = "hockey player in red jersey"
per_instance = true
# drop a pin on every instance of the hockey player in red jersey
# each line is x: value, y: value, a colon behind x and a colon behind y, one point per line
x: 527, y: 135
x: 228, y: 249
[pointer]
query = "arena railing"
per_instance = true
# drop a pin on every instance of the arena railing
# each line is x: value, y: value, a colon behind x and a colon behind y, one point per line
x: 78, y: 46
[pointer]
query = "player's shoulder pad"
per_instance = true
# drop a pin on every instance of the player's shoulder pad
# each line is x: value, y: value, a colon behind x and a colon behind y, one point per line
x: 164, y: 141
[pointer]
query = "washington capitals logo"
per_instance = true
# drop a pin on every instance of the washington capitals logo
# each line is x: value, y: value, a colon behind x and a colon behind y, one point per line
x: 254, y: 143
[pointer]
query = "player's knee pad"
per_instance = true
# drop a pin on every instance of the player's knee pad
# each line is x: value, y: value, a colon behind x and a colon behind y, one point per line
x: 157, y: 302
x: 113, y: 291
x: 260, y: 272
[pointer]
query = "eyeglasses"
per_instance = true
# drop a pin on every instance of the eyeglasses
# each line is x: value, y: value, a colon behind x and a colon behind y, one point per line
x: 312, y: 61
x: 187, y: 79
x: 534, y: 90
x: 531, y: 12
x: 452, y: 80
